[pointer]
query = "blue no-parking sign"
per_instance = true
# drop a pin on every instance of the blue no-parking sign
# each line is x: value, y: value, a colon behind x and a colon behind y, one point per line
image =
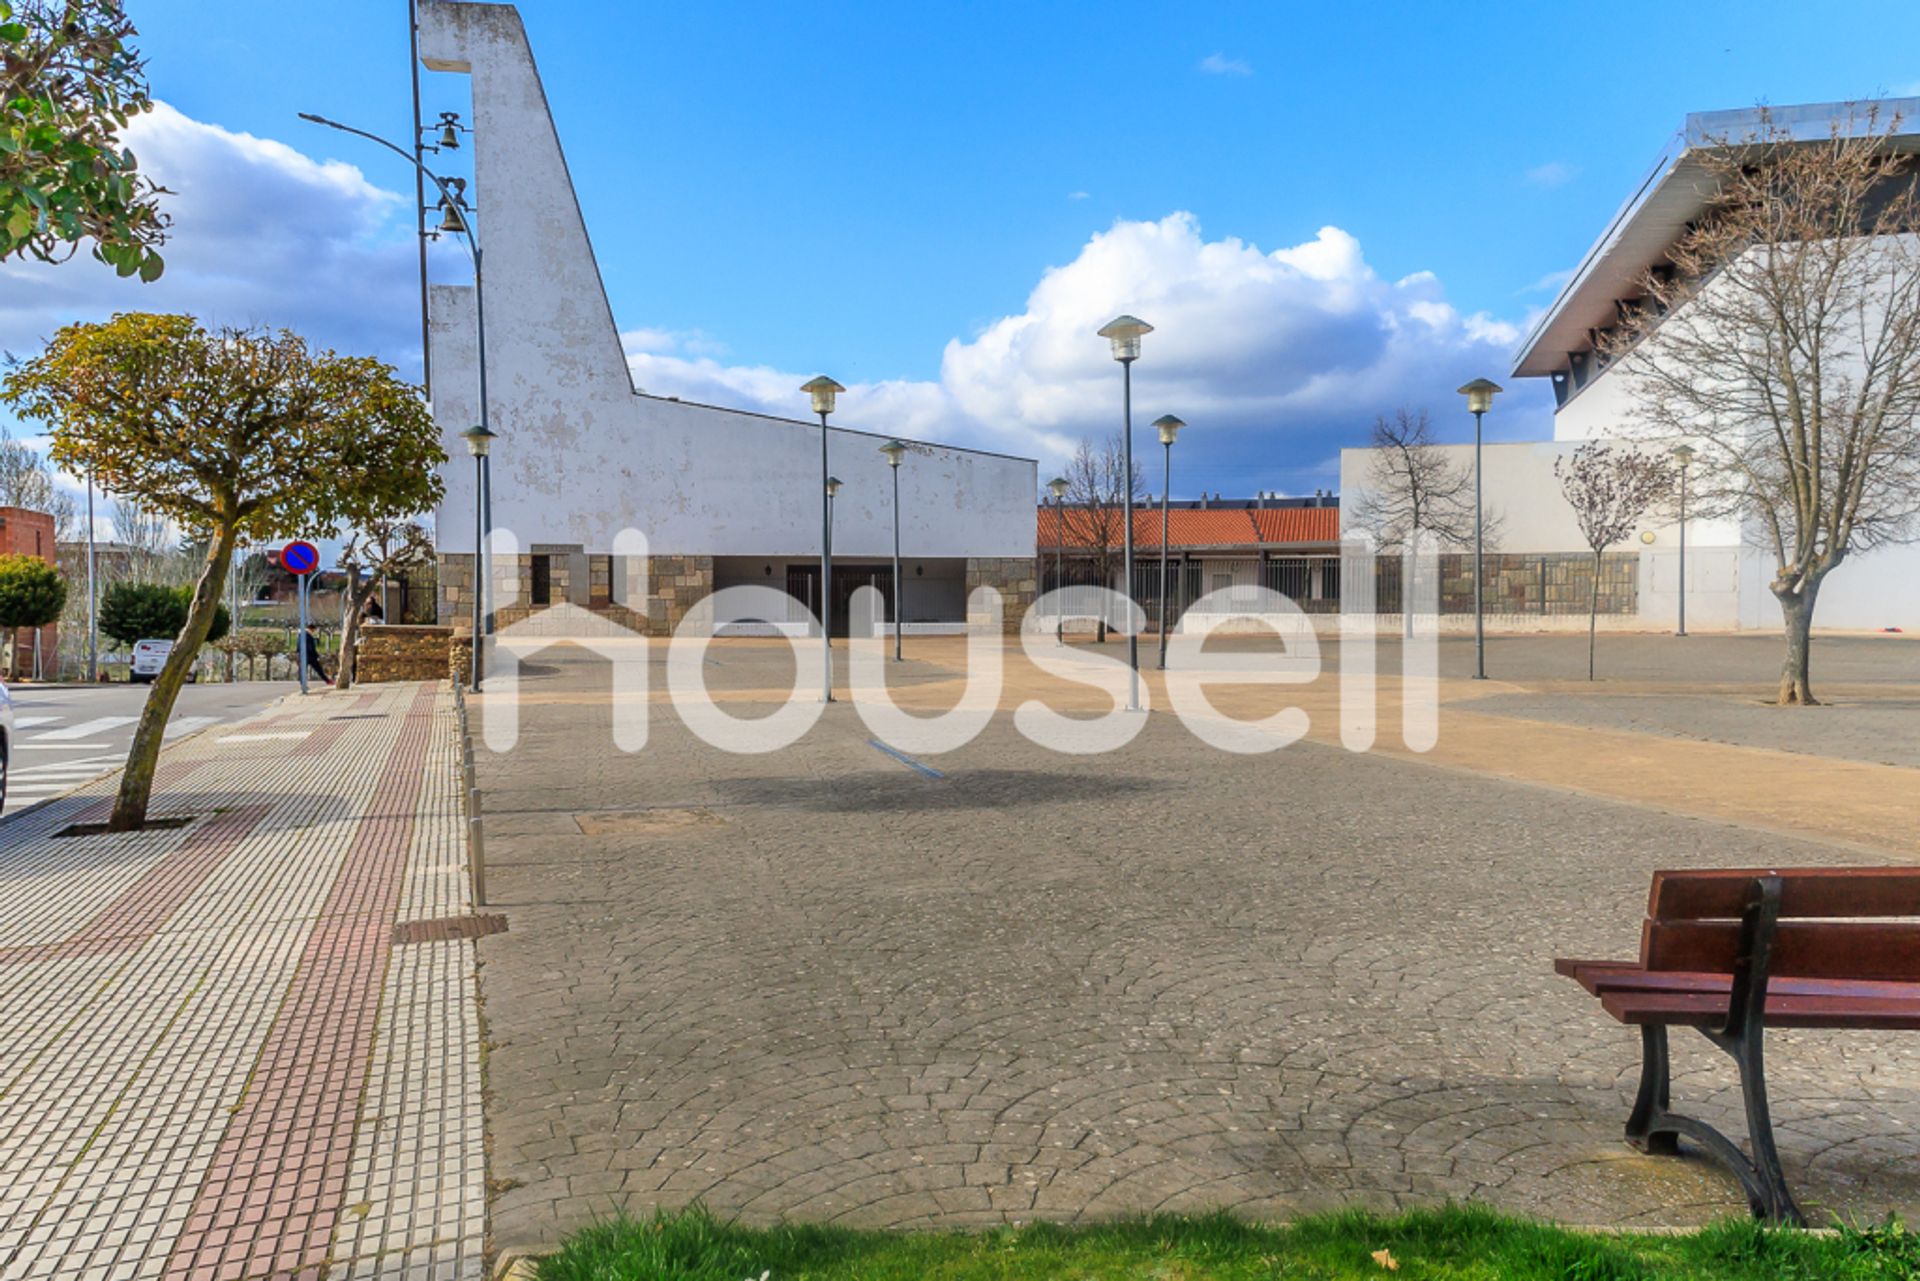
x: 299, y: 558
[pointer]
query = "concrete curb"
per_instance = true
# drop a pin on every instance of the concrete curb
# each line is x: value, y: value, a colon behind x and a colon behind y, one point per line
x: 516, y: 1267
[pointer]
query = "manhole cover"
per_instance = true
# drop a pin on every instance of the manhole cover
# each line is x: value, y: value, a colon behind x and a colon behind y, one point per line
x: 441, y: 928
x: 655, y: 822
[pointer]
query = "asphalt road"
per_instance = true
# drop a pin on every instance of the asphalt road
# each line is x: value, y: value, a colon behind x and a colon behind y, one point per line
x: 69, y: 734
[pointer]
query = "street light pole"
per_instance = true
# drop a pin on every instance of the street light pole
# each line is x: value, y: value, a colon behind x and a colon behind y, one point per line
x: 1169, y: 429
x: 833, y: 491
x: 456, y: 217
x: 479, y: 442
x: 1479, y: 393
x: 894, y: 451
x: 823, y: 389
x: 93, y: 598
x: 1058, y: 488
x: 1683, y: 454
x: 1124, y: 333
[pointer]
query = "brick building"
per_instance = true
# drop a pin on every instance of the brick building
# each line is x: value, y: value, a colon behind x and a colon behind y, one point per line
x: 24, y: 532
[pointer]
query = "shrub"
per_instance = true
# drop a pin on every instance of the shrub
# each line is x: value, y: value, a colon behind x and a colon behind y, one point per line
x: 32, y: 593
x: 132, y: 612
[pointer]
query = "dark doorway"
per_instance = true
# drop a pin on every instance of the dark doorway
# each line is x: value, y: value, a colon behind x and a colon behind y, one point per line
x: 542, y: 593
x: 803, y: 584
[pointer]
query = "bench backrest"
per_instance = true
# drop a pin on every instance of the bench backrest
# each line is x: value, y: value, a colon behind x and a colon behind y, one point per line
x: 1835, y: 922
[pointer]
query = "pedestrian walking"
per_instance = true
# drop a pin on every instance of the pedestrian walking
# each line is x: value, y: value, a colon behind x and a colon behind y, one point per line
x: 310, y: 654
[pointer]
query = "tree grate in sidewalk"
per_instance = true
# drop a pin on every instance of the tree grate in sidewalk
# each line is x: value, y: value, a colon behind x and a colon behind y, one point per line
x: 439, y: 929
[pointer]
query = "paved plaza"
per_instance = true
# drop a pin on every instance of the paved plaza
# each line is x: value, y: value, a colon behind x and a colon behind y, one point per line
x: 228, y: 1051
x: 830, y: 984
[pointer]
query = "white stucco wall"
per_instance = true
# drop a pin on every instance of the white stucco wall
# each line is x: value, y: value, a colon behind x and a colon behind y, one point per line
x: 581, y: 455
x: 1870, y: 590
x: 1521, y: 489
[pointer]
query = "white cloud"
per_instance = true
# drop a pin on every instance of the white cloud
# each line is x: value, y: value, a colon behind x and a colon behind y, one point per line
x: 694, y: 342
x: 1219, y: 64
x: 261, y: 235
x: 1550, y: 283
x: 1076, y: 195
x: 1554, y: 173
x: 1277, y: 358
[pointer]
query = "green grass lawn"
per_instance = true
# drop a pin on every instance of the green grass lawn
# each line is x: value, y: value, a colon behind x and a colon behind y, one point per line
x: 1455, y: 1244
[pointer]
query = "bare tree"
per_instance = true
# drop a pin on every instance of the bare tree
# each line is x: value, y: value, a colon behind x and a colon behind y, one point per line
x: 381, y: 550
x: 1782, y: 339
x: 1098, y: 489
x: 1610, y: 488
x: 148, y: 541
x: 1412, y: 487
x: 28, y: 480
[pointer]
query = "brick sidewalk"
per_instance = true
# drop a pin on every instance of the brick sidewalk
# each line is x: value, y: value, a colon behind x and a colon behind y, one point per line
x: 223, y: 1052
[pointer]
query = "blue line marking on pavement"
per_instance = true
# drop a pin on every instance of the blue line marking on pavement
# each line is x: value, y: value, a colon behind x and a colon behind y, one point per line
x: 906, y: 760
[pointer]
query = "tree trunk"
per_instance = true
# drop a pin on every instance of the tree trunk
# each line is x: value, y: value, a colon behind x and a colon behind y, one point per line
x: 350, y: 635
x: 136, y: 785
x: 1593, y: 614
x: 1796, y: 608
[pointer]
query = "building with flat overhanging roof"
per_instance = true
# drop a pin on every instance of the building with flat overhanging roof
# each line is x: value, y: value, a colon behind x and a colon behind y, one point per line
x: 1729, y: 564
x: 723, y: 497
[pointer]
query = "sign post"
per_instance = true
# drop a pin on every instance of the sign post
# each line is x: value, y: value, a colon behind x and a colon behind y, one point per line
x: 300, y: 559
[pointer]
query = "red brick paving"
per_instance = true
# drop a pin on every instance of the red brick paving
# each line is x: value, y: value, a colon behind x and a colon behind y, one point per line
x: 274, y: 1191
x: 138, y: 912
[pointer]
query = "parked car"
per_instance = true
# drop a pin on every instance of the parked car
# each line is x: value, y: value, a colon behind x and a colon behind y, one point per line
x: 149, y: 656
x: 6, y: 740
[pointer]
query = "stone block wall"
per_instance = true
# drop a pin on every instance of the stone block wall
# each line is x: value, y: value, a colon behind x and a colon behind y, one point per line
x: 453, y: 591
x: 403, y: 654
x: 1014, y: 577
x: 676, y: 585
x: 1546, y: 584
x: 512, y: 580
x: 459, y: 659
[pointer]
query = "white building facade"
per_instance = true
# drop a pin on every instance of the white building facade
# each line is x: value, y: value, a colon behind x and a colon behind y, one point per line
x: 722, y: 497
x: 1728, y: 566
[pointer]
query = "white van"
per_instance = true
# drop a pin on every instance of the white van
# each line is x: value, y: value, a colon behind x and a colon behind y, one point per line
x: 149, y: 656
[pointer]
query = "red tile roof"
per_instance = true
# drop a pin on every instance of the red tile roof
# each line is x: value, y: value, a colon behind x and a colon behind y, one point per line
x: 1199, y: 527
x: 1297, y: 524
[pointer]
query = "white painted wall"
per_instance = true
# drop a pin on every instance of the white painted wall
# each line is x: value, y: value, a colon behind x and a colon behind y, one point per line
x: 1521, y: 488
x: 1871, y: 590
x: 581, y: 455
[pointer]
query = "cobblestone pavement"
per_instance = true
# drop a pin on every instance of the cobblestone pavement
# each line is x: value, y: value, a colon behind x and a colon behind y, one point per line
x: 215, y: 1059
x: 824, y: 984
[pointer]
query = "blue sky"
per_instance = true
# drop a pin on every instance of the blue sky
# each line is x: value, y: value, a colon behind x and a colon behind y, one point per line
x: 867, y: 189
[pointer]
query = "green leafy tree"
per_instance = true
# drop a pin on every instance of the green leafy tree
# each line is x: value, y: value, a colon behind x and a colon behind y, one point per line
x: 69, y: 83
x: 231, y: 434
x: 131, y: 611
x: 32, y: 594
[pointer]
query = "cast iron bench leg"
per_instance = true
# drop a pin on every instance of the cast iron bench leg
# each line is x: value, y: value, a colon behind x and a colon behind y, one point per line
x: 1748, y: 1054
x: 1653, y: 1100
x: 1655, y: 1130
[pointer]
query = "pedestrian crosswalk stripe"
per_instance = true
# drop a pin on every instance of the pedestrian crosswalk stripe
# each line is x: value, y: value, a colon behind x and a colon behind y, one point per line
x: 85, y: 728
x: 28, y: 722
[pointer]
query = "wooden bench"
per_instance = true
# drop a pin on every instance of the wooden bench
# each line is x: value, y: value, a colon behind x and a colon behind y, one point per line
x: 1733, y: 952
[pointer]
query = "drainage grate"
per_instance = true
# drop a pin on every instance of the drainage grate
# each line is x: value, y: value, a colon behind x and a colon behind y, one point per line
x: 441, y: 928
x: 360, y: 716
